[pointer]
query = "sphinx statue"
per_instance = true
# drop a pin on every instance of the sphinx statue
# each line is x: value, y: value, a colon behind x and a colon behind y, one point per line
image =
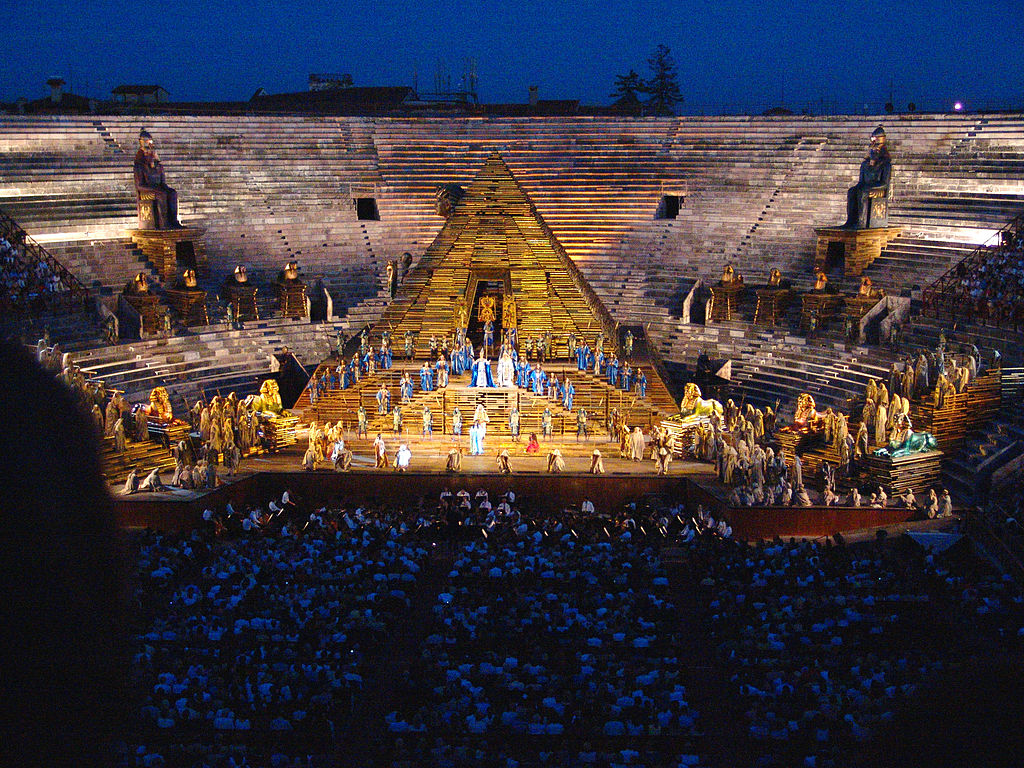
x: 694, y: 408
x: 866, y: 201
x: 160, y: 406
x: 158, y: 203
x: 867, y: 290
x: 775, y: 278
x: 240, y: 274
x: 730, y: 276
x: 806, y: 418
x: 904, y: 441
x: 269, y: 399
x: 137, y: 286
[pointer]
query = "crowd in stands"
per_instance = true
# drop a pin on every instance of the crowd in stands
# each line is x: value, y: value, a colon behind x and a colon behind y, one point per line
x: 25, y: 282
x: 993, y: 290
x: 466, y: 632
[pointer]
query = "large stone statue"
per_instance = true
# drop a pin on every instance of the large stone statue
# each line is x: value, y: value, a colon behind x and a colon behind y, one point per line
x: 158, y: 203
x: 694, y: 409
x: 867, y: 200
x: 904, y: 441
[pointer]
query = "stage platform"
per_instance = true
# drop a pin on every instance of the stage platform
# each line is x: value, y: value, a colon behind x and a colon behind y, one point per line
x: 690, y: 483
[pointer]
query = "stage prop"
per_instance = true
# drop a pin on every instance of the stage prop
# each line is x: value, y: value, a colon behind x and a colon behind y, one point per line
x: 188, y: 300
x: 241, y: 295
x: 291, y: 292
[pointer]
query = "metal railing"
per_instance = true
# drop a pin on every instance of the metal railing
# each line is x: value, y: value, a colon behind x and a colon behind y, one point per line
x: 950, y: 295
x: 74, y: 294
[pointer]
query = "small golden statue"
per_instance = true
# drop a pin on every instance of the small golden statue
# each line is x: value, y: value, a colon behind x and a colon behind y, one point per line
x: 774, y: 278
x: 240, y: 275
x: 820, y: 281
x: 730, y: 275
x: 189, y: 279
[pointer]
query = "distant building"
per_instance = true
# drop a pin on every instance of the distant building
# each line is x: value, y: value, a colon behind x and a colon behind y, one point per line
x: 345, y: 101
x: 329, y: 82
x: 140, y: 94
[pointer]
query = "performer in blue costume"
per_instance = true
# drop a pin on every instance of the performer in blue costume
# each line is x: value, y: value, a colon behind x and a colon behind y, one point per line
x: 641, y: 384
x: 426, y: 380
x: 582, y: 354
x: 482, y: 372
x: 540, y: 380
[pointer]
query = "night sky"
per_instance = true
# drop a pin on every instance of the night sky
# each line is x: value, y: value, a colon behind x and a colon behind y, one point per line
x: 732, y: 55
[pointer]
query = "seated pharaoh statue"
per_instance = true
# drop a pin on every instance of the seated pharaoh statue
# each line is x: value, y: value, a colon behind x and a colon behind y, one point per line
x: 158, y: 203
x: 867, y: 200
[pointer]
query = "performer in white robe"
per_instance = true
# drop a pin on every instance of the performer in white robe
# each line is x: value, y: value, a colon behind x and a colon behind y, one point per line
x: 506, y: 370
x: 637, y: 444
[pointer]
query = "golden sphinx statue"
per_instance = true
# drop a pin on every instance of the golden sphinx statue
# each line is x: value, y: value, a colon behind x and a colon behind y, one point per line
x: 806, y: 419
x: 160, y: 406
x: 269, y: 398
x: 731, y: 276
x: 694, y: 408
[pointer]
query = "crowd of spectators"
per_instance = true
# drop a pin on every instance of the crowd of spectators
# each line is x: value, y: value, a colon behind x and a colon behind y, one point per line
x: 24, y: 282
x: 993, y: 290
x: 466, y: 631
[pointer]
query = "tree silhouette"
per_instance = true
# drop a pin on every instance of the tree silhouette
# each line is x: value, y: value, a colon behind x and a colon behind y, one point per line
x: 663, y: 87
x: 627, y: 88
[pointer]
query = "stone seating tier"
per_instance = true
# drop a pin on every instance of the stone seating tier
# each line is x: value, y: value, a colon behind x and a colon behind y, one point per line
x: 750, y: 184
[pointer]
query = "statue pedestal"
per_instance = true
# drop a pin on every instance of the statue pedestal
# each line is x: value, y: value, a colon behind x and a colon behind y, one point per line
x: 291, y: 296
x: 150, y: 313
x: 242, y: 298
x: 279, y: 432
x: 797, y: 443
x: 726, y: 297
x: 771, y: 305
x: 918, y: 471
x: 826, y: 305
x: 858, y: 306
x: 858, y: 247
x: 189, y: 304
x: 169, y: 248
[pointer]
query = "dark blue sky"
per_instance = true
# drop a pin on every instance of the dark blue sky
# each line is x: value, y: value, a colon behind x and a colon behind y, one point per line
x: 737, y: 53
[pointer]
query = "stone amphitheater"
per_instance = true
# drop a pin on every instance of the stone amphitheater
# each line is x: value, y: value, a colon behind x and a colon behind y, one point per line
x: 271, y: 189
